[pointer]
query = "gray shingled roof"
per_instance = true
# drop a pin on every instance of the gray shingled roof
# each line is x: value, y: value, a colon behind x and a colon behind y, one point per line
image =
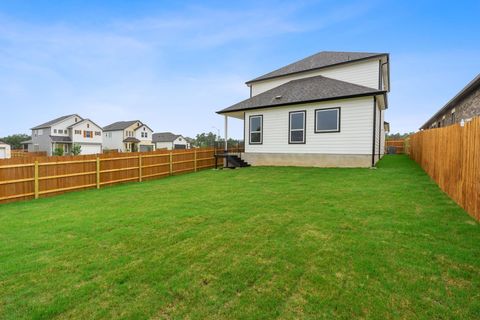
x: 119, y: 125
x: 60, y: 139
x: 131, y: 139
x: 318, y: 61
x: 164, y: 137
x: 303, y: 90
x: 52, y: 122
x: 470, y: 86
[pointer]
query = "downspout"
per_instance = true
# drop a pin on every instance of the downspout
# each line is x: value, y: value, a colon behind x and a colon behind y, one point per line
x: 379, y: 133
x: 374, y: 127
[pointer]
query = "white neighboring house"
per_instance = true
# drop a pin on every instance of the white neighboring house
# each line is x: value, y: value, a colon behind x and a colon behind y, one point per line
x: 170, y: 141
x: 64, y: 133
x: 4, y: 150
x: 326, y: 110
x: 128, y: 136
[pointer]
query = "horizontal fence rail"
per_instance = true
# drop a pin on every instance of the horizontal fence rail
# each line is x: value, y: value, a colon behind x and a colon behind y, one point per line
x: 451, y: 156
x: 35, y: 177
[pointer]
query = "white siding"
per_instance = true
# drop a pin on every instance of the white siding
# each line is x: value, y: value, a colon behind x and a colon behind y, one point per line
x: 86, y: 126
x: 355, y: 136
x: 113, y: 140
x: 365, y: 73
x: 169, y: 145
x: 5, y: 152
x: 90, y: 148
x: 143, y: 140
x: 163, y: 145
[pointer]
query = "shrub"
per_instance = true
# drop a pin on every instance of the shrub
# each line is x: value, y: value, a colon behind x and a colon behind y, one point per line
x: 58, y: 152
x: 76, y: 149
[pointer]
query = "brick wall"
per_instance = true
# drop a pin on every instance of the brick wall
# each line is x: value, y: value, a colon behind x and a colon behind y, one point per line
x: 467, y: 107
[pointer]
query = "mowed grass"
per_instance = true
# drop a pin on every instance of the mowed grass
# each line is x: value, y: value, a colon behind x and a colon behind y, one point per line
x: 253, y: 243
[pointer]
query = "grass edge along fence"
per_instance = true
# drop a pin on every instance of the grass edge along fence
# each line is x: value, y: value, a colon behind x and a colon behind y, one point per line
x: 451, y: 156
x: 35, y: 177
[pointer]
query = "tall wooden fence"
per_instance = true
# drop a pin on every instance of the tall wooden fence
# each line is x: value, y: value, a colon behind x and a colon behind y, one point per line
x: 398, y: 144
x: 451, y: 156
x: 28, y: 178
x: 25, y: 154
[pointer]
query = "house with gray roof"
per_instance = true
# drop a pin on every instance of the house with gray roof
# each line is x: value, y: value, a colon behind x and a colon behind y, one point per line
x: 462, y: 107
x: 170, y: 141
x: 325, y: 110
x: 128, y: 136
x: 63, y: 133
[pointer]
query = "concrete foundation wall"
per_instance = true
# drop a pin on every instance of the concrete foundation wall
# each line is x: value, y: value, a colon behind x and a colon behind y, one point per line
x: 309, y: 160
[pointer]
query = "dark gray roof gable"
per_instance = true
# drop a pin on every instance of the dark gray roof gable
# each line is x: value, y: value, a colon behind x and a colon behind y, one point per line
x: 468, y: 88
x: 120, y: 125
x: 318, y: 61
x: 164, y: 137
x: 54, y: 121
x: 304, y: 90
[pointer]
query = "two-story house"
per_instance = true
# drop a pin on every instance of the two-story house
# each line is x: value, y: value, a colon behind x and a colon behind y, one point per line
x: 325, y: 110
x: 65, y: 132
x: 128, y: 136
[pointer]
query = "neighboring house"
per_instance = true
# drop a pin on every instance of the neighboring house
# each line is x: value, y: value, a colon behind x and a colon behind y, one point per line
x: 4, y: 150
x: 386, y: 126
x: 326, y: 110
x: 463, y: 107
x: 128, y: 136
x: 64, y: 132
x: 169, y: 141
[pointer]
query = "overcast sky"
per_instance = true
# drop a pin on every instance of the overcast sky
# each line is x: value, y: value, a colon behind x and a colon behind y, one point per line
x: 173, y: 65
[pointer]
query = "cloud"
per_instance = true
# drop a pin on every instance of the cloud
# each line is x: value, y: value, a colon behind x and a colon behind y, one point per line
x: 172, y: 69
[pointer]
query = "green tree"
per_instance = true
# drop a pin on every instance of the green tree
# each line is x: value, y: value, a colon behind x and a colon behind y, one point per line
x: 58, y: 152
x: 398, y: 136
x: 15, y: 140
x: 205, y: 140
x: 76, y: 149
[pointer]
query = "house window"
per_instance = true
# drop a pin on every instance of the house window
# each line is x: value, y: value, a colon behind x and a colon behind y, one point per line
x: 87, y: 134
x: 54, y: 130
x: 40, y: 132
x: 78, y: 131
x: 256, y: 129
x: 327, y: 120
x: 453, y: 117
x: 88, y: 125
x: 297, y: 127
x: 98, y: 133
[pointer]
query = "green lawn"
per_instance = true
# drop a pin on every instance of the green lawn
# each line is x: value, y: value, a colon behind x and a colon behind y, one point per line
x: 262, y: 242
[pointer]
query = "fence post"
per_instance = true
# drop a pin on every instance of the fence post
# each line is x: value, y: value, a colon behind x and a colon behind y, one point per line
x: 36, y: 179
x: 195, y: 160
x: 171, y: 163
x: 98, y: 173
x: 140, y: 168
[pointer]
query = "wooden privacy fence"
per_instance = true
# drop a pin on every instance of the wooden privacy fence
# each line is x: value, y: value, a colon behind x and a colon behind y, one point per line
x: 451, y: 156
x: 25, y: 154
x: 27, y: 178
x: 398, y: 144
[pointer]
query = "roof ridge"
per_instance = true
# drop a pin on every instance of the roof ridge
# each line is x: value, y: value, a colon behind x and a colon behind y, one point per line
x: 316, y: 61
